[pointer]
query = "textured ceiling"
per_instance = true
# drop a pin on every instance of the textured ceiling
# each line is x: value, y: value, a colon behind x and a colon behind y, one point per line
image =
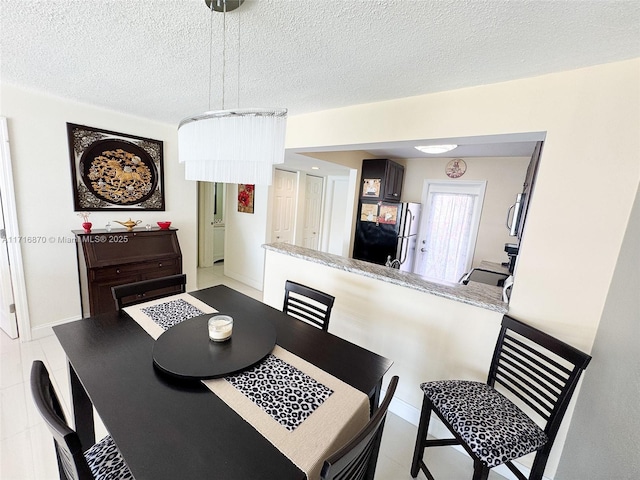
x: 151, y: 58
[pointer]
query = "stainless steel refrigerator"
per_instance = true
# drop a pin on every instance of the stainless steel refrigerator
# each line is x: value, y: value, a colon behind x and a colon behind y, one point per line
x: 386, y: 234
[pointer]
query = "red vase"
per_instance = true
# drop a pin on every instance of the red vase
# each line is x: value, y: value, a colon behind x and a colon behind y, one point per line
x: 87, y: 226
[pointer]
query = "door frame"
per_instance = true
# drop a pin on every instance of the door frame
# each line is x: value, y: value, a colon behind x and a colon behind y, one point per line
x: 11, y: 228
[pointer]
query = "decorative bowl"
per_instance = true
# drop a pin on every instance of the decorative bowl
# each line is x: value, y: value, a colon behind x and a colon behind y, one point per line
x: 164, y: 225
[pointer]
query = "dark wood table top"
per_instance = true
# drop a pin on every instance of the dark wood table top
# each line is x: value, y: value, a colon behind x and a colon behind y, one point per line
x: 169, y: 429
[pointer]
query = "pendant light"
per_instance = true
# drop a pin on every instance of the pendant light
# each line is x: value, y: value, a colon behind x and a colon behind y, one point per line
x: 238, y: 145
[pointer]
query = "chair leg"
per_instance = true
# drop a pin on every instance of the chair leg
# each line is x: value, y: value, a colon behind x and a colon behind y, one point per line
x: 480, y: 471
x: 423, y: 429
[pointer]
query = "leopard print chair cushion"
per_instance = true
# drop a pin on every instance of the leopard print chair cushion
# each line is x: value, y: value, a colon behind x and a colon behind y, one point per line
x: 106, y: 462
x: 494, y: 428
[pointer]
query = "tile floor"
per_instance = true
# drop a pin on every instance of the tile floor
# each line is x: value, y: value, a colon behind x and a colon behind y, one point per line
x: 26, y: 447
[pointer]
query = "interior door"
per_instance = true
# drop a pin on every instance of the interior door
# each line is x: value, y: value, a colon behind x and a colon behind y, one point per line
x: 8, y: 321
x: 206, y: 206
x: 312, y: 212
x: 285, y: 185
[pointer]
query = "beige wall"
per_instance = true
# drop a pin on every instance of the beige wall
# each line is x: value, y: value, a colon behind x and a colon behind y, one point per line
x: 589, y: 163
x: 42, y: 180
x: 504, y: 177
x: 586, y: 183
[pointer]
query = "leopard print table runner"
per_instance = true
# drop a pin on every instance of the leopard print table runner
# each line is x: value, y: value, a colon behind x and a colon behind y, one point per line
x: 302, y: 410
x: 285, y: 393
x: 158, y: 315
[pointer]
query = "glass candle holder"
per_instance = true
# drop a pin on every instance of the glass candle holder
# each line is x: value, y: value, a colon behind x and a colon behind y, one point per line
x: 220, y: 328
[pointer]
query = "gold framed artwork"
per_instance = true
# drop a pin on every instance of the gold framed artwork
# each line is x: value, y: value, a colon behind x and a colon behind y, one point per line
x: 245, y: 197
x: 371, y: 187
x: 115, y: 171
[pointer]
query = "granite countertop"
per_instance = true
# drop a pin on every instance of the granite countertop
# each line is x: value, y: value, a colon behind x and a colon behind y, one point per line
x: 477, y: 294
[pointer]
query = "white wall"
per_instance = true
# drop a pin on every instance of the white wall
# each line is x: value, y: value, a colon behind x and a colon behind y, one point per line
x: 607, y: 415
x: 245, y: 233
x: 589, y: 172
x: 42, y: 178
x: 504, y: 177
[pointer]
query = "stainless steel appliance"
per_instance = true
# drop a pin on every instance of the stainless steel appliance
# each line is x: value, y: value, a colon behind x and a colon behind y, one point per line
x: 386, y: 233
x: 514, y: 216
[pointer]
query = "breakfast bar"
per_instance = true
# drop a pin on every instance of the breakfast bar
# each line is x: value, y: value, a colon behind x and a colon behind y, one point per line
x: 432, y: 330
x: 477, y: 294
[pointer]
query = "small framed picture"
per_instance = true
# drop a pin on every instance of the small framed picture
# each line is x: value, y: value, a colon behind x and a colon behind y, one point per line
x: 369, y: 212
x: 371, y: 187
x: 388, y: 214
x: 245, y: 197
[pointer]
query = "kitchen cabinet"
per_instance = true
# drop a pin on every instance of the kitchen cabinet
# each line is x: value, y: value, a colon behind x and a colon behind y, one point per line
x: 381, y: 180
x: 106, y: 259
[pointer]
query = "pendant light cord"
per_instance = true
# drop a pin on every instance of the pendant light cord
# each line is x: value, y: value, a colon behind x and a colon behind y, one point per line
x: 224, y: 45
x: 210, y: 49
x: 238, y: 94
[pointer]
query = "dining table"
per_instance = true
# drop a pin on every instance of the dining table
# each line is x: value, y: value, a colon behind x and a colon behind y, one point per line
x: 171, y: 427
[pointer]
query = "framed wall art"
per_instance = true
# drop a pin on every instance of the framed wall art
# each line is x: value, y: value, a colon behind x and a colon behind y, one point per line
x: 371, y: 187
x: 245, y: 197
x: 369, y: 212
x: 115, y: 171
x: 388, y: 214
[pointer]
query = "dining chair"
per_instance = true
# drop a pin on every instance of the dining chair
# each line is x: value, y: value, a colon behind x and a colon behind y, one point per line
x: 353, y: 460
x: 146, y: 290
x: 102, y: 461
x: 307, y: 304
x: 530, y: 368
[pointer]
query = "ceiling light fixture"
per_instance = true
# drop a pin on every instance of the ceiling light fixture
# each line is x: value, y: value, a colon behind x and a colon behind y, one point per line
x: 238, y: 145
x: 433, y: 149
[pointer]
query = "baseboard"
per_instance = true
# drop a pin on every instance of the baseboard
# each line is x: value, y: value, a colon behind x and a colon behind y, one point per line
x: 251, y: 282
x: 43, y: 331
x: 411, y: 414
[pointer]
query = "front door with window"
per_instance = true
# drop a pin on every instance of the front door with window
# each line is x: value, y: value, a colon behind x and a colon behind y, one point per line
x: 448, y: 228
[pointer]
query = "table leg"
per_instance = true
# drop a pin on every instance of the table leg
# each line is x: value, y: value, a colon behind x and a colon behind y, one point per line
x: 82, y: 411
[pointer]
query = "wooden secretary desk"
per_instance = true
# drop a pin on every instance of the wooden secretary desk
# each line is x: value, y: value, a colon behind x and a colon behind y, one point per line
x: 106, y: 259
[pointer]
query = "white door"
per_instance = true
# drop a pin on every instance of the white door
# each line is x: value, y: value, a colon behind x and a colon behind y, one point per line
x: 206, y: 200
x: 337, y: 232
x: 448, y: 228
x: 7, y: 308
x: 284, y: 206
x: 312, y: 212
x: 8, y: 321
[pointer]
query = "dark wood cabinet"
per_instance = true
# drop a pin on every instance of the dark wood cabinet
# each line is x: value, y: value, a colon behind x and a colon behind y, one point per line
x: 106, y: 259
x: 381, y: 180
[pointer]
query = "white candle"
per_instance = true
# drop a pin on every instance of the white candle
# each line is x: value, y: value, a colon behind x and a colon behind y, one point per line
x: 220, y: 328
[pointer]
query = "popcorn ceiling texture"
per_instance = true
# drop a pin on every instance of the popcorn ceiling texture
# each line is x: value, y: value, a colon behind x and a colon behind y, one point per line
x: 151, y: 58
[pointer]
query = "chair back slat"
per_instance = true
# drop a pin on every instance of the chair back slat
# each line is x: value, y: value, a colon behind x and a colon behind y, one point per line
x: 538, y: 369
x: 68, y: 449
x: 145, y: 290
x: 554, y: 381
x: 535, y: 381
x: 307, y: 304
x: 352, y: 460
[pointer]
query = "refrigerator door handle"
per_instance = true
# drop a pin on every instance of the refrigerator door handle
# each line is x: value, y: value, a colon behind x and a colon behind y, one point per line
x: 409, y: 220
x: 406, y: 251
x: 510, y: 209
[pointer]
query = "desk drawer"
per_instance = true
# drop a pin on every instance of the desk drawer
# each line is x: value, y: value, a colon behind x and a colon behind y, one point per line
x: 150, y: 269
